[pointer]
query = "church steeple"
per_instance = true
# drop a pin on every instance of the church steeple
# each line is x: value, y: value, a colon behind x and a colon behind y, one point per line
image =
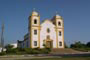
x: 35, y: 13
x: 57, y: 15
x: 34, y: 28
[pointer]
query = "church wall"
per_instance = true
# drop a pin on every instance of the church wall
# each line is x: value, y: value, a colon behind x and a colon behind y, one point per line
x: 44, y: 33
x: 60, y: 38
x: 34, y: 37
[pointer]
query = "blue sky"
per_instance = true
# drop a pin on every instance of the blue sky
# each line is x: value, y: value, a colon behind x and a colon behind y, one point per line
x: 76, y: 14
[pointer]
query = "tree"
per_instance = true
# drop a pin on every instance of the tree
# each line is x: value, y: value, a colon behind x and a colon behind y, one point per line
x: 88, y: 44
x: 65, y: 45
x: 9, y: 48
x: 78, y: 45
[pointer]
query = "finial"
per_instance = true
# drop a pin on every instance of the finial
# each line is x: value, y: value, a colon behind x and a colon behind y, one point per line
x: 33, y: 9
x: 56, y: 12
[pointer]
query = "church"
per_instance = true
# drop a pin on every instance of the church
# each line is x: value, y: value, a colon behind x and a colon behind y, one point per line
x: 49, y: 33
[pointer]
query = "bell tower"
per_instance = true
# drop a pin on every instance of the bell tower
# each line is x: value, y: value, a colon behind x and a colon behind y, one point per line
x: 59, y: 23
x: 34, y: 29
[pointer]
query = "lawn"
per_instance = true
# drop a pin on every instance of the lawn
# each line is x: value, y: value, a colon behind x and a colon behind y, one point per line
x: 63, y: 58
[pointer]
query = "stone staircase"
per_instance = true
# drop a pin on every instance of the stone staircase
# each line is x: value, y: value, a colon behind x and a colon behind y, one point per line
x: 63, y: 51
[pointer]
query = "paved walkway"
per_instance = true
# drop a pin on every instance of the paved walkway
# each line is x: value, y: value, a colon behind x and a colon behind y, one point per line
x: 17, y: 57
x: 25, y: 57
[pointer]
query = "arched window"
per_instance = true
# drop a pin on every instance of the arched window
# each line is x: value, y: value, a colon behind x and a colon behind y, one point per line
x: 48, y: 30
x: 59, y: 23
x: 35, y: 21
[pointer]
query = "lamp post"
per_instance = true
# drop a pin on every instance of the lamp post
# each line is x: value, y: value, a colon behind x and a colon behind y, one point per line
x: 2, y: 37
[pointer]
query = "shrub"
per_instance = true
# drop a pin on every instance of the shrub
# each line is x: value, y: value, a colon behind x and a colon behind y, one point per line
x: 2, y: 53
x: 45, y: 50
x: 88, y: 44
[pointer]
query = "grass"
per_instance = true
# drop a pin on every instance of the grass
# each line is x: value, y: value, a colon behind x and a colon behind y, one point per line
x: 63, y: 58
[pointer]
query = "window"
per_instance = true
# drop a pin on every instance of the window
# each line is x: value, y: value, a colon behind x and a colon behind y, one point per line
x: 59, y: 23
x: 43, y: 42
x: 60, y: 43
x: 48, y: 30
x: 35, y: 43
x: 60, y: 33
x: 48, y: 37
x: 35, y: 21
x: 35, y: 32
x: 27, y: 43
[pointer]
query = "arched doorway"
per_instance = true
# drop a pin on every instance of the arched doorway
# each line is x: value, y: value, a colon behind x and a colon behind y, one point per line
x: 49, y: 42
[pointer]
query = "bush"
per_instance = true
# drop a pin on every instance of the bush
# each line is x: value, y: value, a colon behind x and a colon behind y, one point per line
x: 80, y: 46
x: 10, y: 50
x: 88, y: 44
x: 37, y: 50
x: 45, y: 50
x: 28, y: 50
x: 2, y: 53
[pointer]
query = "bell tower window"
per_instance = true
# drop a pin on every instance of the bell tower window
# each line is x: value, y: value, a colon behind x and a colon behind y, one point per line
x: 35, y: 21
x: 59, y: 23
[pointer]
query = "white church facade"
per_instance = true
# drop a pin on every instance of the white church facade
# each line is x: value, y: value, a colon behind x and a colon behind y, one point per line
x: 49, y: 33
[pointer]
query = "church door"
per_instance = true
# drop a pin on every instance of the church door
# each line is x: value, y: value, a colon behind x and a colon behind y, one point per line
x: 49, y: 44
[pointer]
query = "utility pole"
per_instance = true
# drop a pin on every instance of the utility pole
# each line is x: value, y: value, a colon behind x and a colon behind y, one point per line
x: 2, y: 37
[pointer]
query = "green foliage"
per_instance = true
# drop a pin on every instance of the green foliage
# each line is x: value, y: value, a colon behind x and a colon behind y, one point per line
x: 65, y: 45
x: 88, y: 44
x: 2, y: 53
x: 9, y: 48
x: 80, y: 46
x: 37, y: 50
x: 45, y: 50
x: 19, y: 51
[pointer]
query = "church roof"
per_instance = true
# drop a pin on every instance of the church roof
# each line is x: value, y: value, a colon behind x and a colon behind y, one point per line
x: 47, y: 20
x: 35, y: 13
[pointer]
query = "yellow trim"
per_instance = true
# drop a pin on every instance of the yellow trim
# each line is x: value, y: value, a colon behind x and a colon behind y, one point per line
x: 39, y: 33
x: 63, y: 34
x: 31, y: 33
x: 34, y: 26
x: 56, y: 36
